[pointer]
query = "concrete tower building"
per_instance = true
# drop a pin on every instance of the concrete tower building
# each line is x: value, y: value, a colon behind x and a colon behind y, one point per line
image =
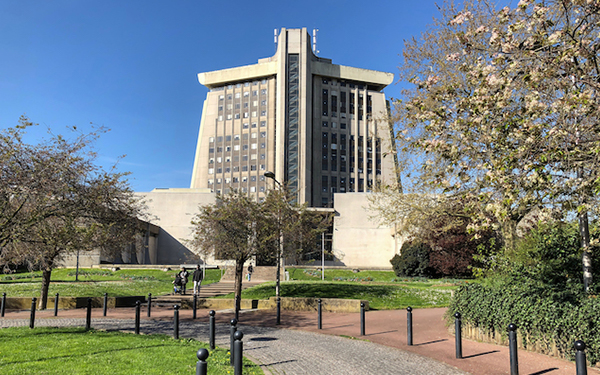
x: 320, y: 127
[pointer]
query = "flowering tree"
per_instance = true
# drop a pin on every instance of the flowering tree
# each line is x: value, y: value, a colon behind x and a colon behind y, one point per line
x: 503, y: 110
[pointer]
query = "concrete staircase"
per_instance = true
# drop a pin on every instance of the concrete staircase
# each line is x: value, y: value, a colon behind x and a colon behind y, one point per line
x: 207, y: 291
x: 260, y: 273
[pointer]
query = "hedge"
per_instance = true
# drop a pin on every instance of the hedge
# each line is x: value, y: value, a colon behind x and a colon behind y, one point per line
x: 540, y: 320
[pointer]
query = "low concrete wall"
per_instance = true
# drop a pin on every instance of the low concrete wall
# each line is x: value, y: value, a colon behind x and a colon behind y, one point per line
x: 66, y: 303
x: 287, y: 303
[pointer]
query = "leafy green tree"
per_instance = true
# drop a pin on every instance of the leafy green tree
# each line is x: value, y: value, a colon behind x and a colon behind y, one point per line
x: 57, y: 201
x: 229, y: 230
x: 503, y: 109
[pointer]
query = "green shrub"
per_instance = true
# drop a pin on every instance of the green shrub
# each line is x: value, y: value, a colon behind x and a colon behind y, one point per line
x: 538, y: 316
x: 412, y: 261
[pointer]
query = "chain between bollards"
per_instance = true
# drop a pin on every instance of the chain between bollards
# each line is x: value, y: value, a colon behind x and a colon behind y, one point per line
x: 137, y: 317
x: 512, y: 348
x: 201, y: 366
x: 232, y: 331
x: 320, y: 315
x: 580, y: 361
x: 278, y: 311
x: 88, y: 315
x: 3, y: 307
x: 458, y: 335
x: 149, y: 304
x: 211, y: 329
x: 176, y: 322
x: 238, y: 352
x: 32, y: 314
x: 105, y: 304
x: 409, y: 327
x: 362, y: 319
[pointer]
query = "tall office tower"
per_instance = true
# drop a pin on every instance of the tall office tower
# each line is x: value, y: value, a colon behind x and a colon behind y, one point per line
x: 320, y: 127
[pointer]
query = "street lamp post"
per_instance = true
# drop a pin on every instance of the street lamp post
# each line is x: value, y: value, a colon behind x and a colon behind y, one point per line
x: 271, y: 175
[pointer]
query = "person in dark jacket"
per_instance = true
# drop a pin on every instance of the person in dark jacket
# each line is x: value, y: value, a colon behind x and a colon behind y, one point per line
x: 198, y: 277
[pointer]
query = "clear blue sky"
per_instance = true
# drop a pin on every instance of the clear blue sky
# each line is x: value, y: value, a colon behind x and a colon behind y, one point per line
x: 132, y: 66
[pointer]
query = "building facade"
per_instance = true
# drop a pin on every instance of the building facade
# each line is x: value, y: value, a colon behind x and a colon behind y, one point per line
x: 321, y: 128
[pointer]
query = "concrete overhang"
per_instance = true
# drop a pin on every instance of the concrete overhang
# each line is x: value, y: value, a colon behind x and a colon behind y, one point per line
x: 370, y: 77
x: 222, y: 77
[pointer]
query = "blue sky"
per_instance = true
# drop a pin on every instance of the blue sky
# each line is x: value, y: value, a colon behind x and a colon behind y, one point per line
x: 132, y: 66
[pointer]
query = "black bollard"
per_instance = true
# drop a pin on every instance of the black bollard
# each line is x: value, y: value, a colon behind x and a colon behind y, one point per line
x: 137, y: 317
x: 3, y: 307
x: 278, y: 311
x: 580, y: 362
x: 458, y: 335
x: 56, y: 305
x: 512, y: 348
x: 88, y: 315
x: 149, y: 303
x: 105, y: 306
x: 211, y: 329
x: 32, y: 314
x: 238, y: 350
x: 201, y: 367
x: 176, y: 322
x: 409, y: 333
x: 362, y: 319
x: 320, y: 315
x: 232, y: 331
x: 194, y: 306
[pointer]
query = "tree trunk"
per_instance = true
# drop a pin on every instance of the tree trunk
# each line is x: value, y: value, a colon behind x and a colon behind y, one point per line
x: 239, y: 275
x: 46, y: 274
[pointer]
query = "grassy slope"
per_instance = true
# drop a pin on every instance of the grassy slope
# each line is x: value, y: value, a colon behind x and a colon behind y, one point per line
x: 94, y: 282
x: 75, y: 351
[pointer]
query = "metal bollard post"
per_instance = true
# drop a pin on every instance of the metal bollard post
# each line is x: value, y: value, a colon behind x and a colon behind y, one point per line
x: 238, y: 350
x: 278, y: 311
x: 362, y: 319
x: 458, y: 335
x: 194, y: 306
x: 32, y: 314
x: 3, y: 307
x: 320, y: 315
x: 211, y: 329
x: 232, y: 331
x: 137, y: 317
x: 56, y: 305
x: 512, y: 347
x: 409, y: 327
x: 105, y: 306
x: 176, y: 322
x: 201, y: 367
x: 580, y: 362
x: 88, y: 315
x: 149, y: 303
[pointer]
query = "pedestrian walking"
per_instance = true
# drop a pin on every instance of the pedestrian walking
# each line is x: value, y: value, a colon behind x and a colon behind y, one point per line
x: 250, y: 269
x: 183, y: 275
x: 198, y: 276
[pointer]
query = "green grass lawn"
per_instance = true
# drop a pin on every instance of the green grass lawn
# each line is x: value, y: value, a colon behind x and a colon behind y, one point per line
x: 380, y: 296
x: 95, y: 282
x: 75, y: 351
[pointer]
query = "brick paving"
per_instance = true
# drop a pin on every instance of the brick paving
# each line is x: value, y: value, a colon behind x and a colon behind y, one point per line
x: 298, y: 347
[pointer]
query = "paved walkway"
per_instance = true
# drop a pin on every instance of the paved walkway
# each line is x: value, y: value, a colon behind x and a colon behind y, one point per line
x: 303, y: 349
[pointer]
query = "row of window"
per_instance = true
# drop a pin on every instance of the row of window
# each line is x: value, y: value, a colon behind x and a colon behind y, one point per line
x: 237, y: 137
x: 252, y: 146
x: 243, y: 168
x: 235, y: 180
x: 237, y: 116
x: 239, y: 85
